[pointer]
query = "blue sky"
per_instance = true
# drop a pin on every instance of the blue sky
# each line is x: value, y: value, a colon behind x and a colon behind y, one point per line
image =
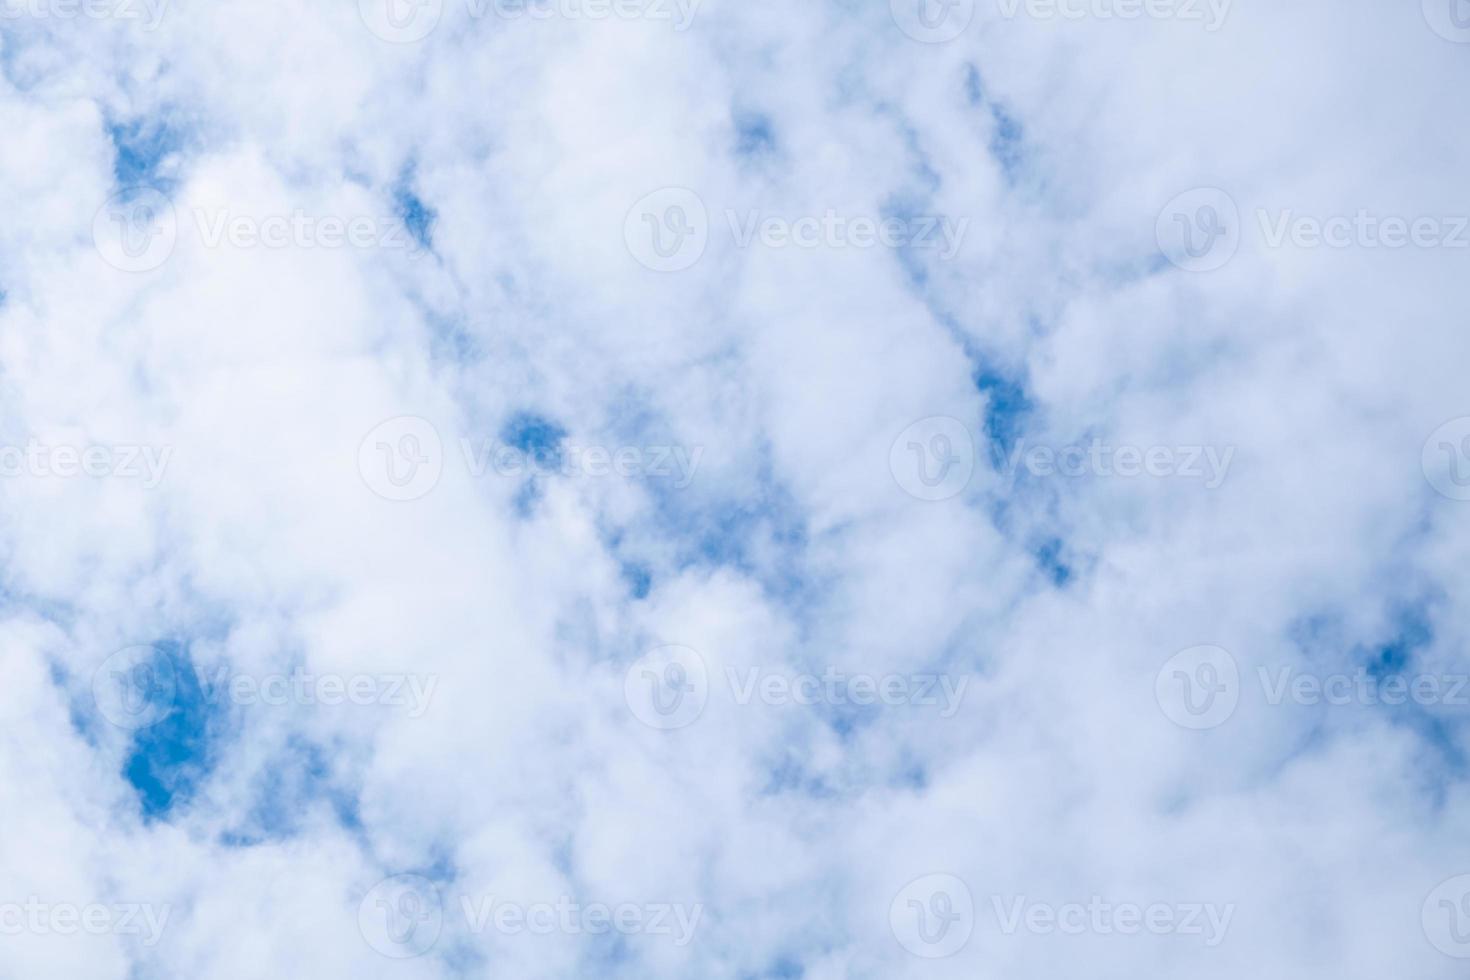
x: 733, y: 490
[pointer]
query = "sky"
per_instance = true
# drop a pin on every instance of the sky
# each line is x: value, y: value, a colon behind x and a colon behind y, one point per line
x: 719, y: 488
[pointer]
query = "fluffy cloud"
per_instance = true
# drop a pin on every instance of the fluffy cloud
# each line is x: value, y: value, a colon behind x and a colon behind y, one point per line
x: 736, y: 490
